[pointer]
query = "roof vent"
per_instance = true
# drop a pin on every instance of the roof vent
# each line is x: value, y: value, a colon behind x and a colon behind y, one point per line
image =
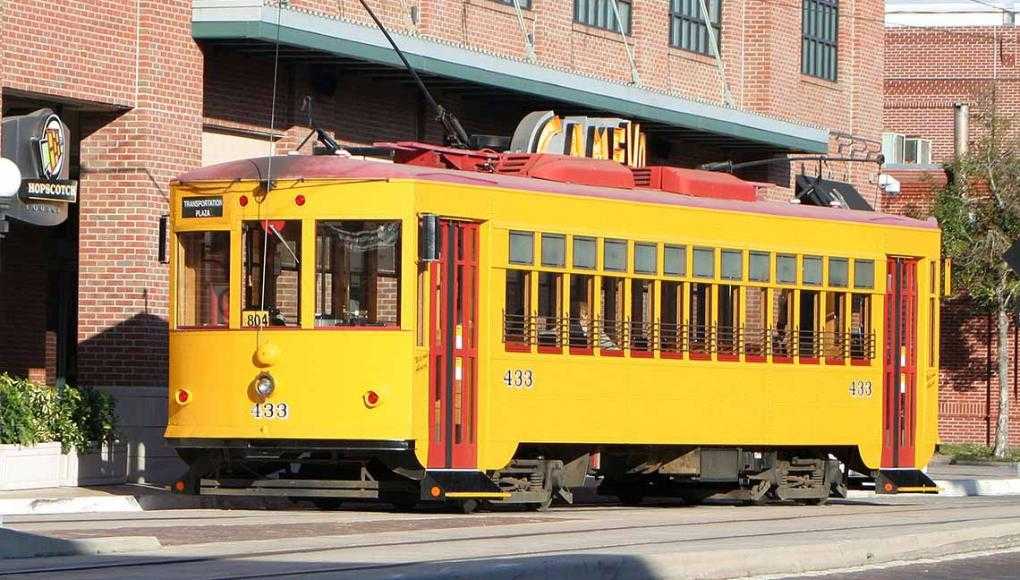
x: 696, y: 182
x: 566, y: 169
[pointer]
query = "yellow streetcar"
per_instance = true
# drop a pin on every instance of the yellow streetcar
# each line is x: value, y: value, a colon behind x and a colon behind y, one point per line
x: 471, y: 325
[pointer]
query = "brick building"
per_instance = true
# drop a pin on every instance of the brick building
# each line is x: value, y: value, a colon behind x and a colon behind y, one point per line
x: 150, y: 89
x: 929, y: 68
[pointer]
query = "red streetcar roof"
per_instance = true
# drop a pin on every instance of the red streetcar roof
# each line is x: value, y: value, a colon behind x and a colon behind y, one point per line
x: 335, y: 167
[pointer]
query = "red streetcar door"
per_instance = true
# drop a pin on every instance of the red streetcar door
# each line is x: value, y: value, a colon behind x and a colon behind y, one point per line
x: 453, y: 350
x: 899, y: 403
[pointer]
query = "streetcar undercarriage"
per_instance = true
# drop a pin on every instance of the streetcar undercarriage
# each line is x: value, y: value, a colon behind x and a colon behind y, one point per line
x: 329, y: 472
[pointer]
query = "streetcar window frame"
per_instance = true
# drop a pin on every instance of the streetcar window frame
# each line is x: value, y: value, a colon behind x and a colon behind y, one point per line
x: 202, y: 291
x: 525, y: 246
x: 390, y: 269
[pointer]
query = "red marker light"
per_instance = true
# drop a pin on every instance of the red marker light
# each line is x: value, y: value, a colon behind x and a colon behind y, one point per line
x: 371, y: 399
x: 179, y: 485
x: 183, y: 396
x: 300, y: 200
x: 243, y: 200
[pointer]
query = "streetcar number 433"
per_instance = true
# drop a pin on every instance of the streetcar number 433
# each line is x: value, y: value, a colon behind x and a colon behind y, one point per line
x: 519, y: 379
x: 270, y: 410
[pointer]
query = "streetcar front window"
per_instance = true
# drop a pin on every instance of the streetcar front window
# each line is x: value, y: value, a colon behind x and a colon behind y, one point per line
x: 203, y: 279
x: 272, y: 285
x: 357, y: 273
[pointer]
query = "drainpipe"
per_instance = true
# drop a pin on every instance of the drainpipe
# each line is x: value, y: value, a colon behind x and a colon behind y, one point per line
x: 961, y: 129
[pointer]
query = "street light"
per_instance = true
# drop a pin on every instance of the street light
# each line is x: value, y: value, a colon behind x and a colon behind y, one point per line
x: 10, y: 180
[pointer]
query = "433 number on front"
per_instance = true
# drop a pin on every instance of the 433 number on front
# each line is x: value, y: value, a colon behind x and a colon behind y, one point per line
x: 270, y: 411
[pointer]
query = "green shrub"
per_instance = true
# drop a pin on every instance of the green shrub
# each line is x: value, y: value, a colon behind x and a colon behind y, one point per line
x: 29, y: 413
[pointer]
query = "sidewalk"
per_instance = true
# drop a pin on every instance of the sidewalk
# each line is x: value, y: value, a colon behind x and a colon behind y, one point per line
x: 974, y: 479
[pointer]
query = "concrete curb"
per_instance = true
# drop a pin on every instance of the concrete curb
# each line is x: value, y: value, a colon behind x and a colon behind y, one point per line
x: 960, y: 488
x: 15, y: 544
x: 972, y: 487
x: 69, y: 505
x: 729, y: 563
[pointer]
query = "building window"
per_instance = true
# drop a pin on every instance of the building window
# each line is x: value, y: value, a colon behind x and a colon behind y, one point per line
x: 902, y: 149
x: 525, y: 4
x: 600, y: 14
x: 687, y: 29
x: 820, y: 26
x: 357, y: 273
x: 203, y: 279
x: 272, y: 283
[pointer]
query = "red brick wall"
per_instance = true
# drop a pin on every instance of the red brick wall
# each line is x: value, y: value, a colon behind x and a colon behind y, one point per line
x: 137, y: 59
x: 927, y: 71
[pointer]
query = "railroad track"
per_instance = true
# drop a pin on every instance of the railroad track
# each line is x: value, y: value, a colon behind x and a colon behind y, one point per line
x: 131, y: 566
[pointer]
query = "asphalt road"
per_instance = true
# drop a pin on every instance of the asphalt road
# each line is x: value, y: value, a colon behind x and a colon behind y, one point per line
x: 653, y: 541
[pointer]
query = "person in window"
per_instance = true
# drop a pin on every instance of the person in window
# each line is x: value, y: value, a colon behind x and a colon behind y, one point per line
x: 605, y: 338
x: 223, y: 302
x: 580, y: 325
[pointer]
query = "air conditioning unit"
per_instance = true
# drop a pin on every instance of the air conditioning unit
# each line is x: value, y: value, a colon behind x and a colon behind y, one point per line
x: 892, y: 147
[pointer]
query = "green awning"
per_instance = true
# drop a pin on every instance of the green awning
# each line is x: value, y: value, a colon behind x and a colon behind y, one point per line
x: 233, y: 20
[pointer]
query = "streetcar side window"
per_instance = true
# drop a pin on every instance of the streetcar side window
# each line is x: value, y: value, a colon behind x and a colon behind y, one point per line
x: 550, y: 293
x: 272, y: 284
x: 755, y: 318
x: 782, y: 324
x: 610, y: 331
x: 728, y: 320
x: 700, y: 318
x: 582, y: 294
x: 833, y: 341
x: 516, y: 329
x: 807, y: 345
x: 671, y: 318
x: 357, y: 273
x: 642, y: 301
x: 861, y: 340
x: 203, y: 279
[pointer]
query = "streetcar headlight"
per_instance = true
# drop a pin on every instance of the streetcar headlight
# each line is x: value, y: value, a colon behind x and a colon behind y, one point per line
x: 264, y: 385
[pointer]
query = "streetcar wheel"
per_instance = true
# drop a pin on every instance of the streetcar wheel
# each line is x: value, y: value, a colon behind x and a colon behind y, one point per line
x: 630, y: 498
x: 468, y: 506
x: 542, y: 505
x: 323, y: 503
x: 815, y: 501
x: 404, y: 505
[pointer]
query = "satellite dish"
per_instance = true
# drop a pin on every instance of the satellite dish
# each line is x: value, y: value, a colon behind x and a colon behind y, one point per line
x: 10, y: 178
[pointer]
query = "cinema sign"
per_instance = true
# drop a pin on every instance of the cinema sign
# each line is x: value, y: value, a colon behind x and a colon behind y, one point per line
x: 38, y: 144
x: 594, y: 137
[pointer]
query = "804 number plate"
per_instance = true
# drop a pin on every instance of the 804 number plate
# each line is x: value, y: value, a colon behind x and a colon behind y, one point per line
x: 270, y: 411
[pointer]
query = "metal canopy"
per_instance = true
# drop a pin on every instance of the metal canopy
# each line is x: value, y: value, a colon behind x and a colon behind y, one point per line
x: 308, y: 38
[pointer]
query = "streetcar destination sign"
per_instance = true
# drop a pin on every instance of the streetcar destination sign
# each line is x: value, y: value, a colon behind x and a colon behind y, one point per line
x: 202, y: 207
